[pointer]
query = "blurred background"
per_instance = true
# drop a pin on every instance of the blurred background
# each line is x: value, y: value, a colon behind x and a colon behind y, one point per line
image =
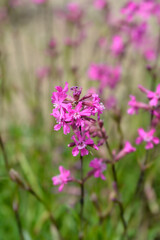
x: 44, y: 44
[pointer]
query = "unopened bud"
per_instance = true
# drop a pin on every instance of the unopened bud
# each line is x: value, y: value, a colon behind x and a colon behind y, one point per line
x: 72, y: 144
x: 101, y: 123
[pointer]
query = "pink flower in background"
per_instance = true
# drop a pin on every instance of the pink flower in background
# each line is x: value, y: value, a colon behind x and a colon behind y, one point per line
x: 81, y: 141
x: 129, y: 10
x: 42, y: 72
x: 107, y: 75
x: 147, y: 137
x: 117, y: 46
x: 150, y: 54
x: 146, y: 9
x: 128, y: 148
x: 62, y: 179
x: 52, y: 48
x: 153, y: 97
x: 100, y: 4
x: 61, y: 118
x: 74, y: 12
x: 99, y: 166
x: 114, y: 75
x: 97, y: 71
x: 139, y: 34
x: 135, y: 106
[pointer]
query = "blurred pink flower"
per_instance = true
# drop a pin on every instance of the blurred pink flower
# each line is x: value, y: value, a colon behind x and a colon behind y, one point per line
x: 107, y: 75
x: 128, y: 148
x: 42, y: 72
x: 99, y: 166
x: 74, y: 12
x: 153, y: 97
x: 139, y: 34
x: 135, y: 106
x: 147, y: 137
x: 62, y: 179
x: 129, y: 10
x: 117, y: 46
x: 100, y: 4
x: 150, y: 54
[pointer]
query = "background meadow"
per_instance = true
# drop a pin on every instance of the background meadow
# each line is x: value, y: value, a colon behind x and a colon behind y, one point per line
x: 44, y: 45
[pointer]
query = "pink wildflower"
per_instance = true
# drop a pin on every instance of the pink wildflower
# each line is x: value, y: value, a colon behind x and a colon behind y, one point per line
x: 62, y: 179
x: 81, y: 141
x: 117, y: 46
x: 135, y: 106
x: 107, y: 75
x: 128, y: 148
x: 129, y: 10
x: 100, y: 4
x: 74, y: 12
x: 150, y: 54
x: 147, y: 137
x: 99, y: 166
x: 153, y: 97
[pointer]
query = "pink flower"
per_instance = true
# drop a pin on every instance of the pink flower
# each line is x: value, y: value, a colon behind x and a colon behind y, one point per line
x: 153, y: 97
x: 81, y: 140
x: 117, y: 46
x: 139, y: 34
x: 62, y: 179
x: 78, y: 114
x: 42, y: 72
x: 52, y: 48
x: 99, y: 166
x: 129, y: 10
x: 135, y: 106
x: 107, y: 75
x: 100, y: 4
x: 146, y: 8
x: 128, y: 148
x: 74, y: 12
x: 147, y: 137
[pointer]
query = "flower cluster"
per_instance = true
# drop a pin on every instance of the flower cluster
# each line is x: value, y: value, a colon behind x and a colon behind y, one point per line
x: 76, y: 113
x: 153, y: 107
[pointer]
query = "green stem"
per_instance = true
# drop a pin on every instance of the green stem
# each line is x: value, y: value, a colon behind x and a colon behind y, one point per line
x: 81, y: 234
